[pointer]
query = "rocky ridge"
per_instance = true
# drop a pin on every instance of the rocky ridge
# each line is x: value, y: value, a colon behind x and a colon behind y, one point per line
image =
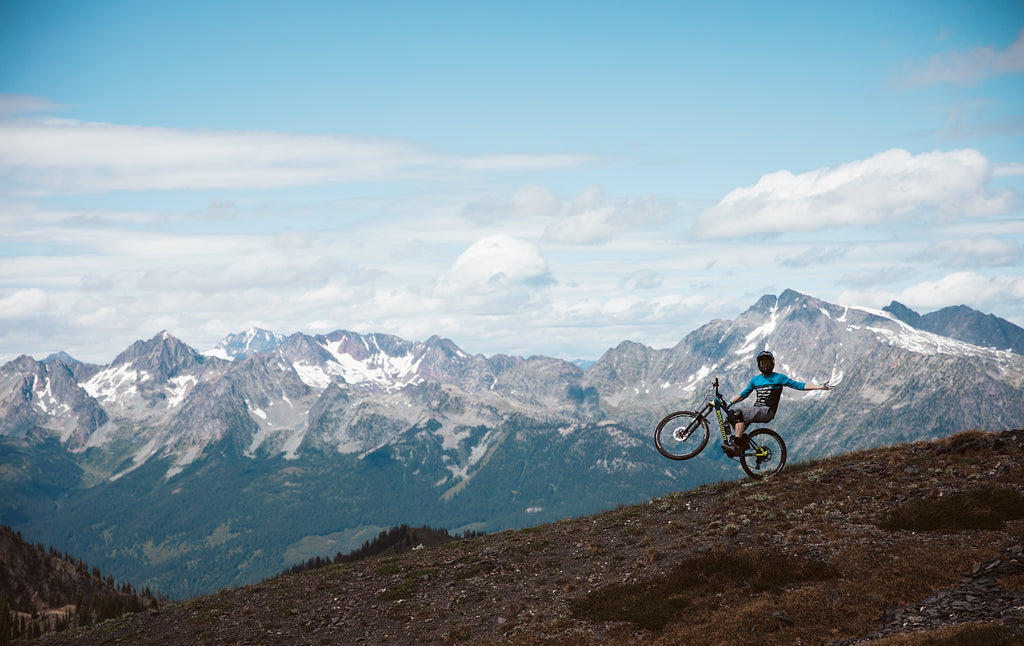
x: 979, y: 596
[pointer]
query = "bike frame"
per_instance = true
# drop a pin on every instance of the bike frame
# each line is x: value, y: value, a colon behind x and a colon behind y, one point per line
x: 719, y: 405
x: 724, y: 424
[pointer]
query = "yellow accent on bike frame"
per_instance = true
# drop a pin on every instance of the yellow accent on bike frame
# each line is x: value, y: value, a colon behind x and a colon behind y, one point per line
x: 721, y: 424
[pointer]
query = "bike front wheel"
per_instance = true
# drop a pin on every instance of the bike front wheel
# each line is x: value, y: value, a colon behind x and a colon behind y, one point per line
x: 766, y: 454
x: 681, y: 435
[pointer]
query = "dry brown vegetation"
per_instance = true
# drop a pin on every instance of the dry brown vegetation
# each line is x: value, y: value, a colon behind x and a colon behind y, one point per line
x: 844, y: 550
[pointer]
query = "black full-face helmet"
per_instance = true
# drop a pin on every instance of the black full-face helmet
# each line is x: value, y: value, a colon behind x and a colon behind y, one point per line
x: 765, y: 362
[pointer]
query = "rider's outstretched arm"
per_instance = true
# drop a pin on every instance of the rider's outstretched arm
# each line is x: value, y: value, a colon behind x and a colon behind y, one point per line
x: 824, y: 386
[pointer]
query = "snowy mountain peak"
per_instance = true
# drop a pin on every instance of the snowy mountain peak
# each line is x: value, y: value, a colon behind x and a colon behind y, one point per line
x: 244, y: 344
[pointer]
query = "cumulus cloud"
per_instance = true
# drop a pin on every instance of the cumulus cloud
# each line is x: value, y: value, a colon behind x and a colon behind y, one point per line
x: 50, y: 156
x: 495, y: 265
x: 893, y: 185
x: 963, y: 67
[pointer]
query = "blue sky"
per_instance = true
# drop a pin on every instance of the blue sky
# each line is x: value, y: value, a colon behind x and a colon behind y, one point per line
x: 520, y: 177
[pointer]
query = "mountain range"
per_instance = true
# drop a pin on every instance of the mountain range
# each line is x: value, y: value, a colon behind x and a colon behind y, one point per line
x: 186, y: 471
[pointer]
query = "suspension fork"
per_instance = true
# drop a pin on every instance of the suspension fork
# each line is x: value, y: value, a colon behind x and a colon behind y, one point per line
x: 702, y: 415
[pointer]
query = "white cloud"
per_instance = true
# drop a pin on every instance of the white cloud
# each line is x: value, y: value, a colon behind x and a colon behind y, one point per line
x: 965, y: 287
x: 1014, y: 169
x: 964, y: 67
x: 812, y: 256
x: 894, y: 185
x: 589, y: 218
x: 592, y: 217
x: 868, y: 277
x: 972, y: 252
x: 496, y: 264
x: 985, y: 293
x: 24, y: 303
x: 528, y: 201
x: 641, y: 279
x: 60, y: 156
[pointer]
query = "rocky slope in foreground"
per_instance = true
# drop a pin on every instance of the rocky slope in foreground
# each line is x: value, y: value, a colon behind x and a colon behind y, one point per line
x: 913, y: 544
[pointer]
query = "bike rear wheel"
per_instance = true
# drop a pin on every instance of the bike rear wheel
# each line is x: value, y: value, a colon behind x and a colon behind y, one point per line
x: 681, y: 435
x: 766, y: 454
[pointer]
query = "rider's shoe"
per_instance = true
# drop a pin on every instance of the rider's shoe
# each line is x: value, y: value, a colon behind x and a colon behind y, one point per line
x: 736, y: 446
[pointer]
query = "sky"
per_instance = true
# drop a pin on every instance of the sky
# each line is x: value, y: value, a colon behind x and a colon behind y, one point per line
x: 526, y: 178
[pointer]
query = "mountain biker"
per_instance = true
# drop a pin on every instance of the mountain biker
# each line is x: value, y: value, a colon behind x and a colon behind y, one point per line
x: 769, y: 385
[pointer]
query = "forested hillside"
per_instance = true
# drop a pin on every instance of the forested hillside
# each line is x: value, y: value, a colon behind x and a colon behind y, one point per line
x: 43, y: 590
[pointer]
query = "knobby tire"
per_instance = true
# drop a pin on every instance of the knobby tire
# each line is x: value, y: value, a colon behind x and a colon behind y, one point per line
x: 758, y: 465
x: 674, y: 448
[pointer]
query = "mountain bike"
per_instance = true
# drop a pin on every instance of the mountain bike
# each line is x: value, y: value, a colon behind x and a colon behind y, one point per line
x: 684, y: 434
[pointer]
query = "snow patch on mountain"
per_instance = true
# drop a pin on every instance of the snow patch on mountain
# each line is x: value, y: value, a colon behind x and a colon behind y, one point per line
x: 919, y: 341
x: 698, y: 378
x: 178, y: 388
x: 750, y: 342
x: 44, y: 399
x: 379, y: 369
x: 111, y: 383
x: 312, y: 376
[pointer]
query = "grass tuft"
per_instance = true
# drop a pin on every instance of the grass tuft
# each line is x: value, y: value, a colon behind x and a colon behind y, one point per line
x: 656, y: 603
x: 986, y: 509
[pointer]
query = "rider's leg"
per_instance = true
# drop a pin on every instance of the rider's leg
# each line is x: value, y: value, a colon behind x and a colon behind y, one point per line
x: 737, y: 429
x: 736, y: 417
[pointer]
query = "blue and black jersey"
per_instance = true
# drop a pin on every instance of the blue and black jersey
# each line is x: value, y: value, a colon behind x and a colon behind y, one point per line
x: 769, y: 389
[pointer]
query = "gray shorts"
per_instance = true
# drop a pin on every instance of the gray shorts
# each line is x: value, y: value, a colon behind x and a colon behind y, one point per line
x: 751, y: 414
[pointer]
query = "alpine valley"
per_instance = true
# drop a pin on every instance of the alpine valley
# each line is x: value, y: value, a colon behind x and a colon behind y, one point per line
x: 186, y: 472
